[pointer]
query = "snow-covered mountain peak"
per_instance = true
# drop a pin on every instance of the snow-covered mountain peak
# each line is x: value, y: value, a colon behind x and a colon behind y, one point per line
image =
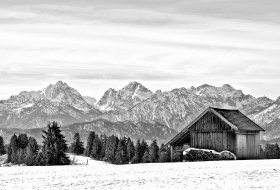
x: 204, y: 86
x: 125, y: 98
x: 135, y: 91
x: 55, y: 102
x: 224, y: 91
x: 133, y: 86
x: 192, y: 88
x: 60, y: 92
x: 228, y: 87
x: 158, y: 92
x: 110, y: 92
x: 61, y: 84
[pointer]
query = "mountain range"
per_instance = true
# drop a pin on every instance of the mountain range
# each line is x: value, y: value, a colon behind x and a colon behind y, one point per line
x: 131, y: 111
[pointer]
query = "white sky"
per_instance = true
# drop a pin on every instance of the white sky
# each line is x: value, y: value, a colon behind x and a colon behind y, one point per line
x: 93, y: 45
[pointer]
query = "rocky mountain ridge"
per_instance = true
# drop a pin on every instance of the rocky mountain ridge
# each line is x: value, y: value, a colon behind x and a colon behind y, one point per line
x: 134, y: 103
x: 123, y: 99
x: 178, y: 107
x: 55, y: 102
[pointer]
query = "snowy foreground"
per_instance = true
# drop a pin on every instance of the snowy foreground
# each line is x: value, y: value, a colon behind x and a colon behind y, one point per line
x: 257, y: 174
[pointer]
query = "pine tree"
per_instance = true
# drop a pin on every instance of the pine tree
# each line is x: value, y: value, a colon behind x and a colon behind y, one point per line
x: 77, y: 147
x: 111, y: 147
x: 32, y: 152
x: 96, y: 148
x: 54, y: 146
x: 90, y: 139
x: 164, y: 155
x: 2, y: 146
x: 143, y: 148
x: 121, y: 153
x: 103, y: 139
x: 119, y: 159
x: 125, y: 156
x: 21, y: 155
x: 13, y: 149
x: 130, y: 149
x: 146, y: 157
x: 137, y: 158
x: 168, y: 153
x: 153, y: 150
x: 22, y: 141
x: 40, y: 159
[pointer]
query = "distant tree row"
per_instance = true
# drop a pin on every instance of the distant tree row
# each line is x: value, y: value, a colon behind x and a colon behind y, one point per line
x: 270, y: 151
x: 120, y: 150
x: 25, y: 150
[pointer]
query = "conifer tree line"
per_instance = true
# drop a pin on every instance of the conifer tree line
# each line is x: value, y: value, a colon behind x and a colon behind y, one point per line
x: 25, y: 150
x: 117, y: 150
x: 123, y: 150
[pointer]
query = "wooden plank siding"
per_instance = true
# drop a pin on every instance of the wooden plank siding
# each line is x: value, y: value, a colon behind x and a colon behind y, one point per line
x: 210, y: 132
x: 248, y: 145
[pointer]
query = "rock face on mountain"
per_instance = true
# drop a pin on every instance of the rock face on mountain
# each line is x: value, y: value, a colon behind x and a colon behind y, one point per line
x: 91, y: 101
x: 179, y: 107
x: 36, y: 108
x: 125, y: 98
x: 270, y: 119
x: 134, y: 103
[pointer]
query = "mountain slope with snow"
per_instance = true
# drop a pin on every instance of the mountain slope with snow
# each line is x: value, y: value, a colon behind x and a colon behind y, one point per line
x: 270, y: 119
x: 134, y: 103
x: 179, y: 107
x: 36, y: 108
x: 125, y: 98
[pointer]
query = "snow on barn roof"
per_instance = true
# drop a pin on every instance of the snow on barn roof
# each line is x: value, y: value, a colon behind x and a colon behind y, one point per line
x: 234, y: 118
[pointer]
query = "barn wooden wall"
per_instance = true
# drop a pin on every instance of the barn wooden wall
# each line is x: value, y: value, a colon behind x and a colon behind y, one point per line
x: 248, y: 145
x: 210, y: 132
x: 218, y: 141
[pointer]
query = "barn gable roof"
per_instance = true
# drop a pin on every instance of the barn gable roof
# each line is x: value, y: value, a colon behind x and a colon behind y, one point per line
x: 234, y: 118
x: 238, y: 119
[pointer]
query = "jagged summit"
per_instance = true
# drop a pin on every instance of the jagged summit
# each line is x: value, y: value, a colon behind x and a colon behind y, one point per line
x: 204, y: 86
x: 133, y: 86
x: 33, y: 109
x: 227, y: 86
x: 124, y: 99
x: 110, y: 91
x: 61, y: 84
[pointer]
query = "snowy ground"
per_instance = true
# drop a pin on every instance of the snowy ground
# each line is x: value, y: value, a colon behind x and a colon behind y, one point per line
x: 258, y: 174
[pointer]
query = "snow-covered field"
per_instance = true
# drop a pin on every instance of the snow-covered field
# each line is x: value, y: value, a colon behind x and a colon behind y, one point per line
x: 256, y: 174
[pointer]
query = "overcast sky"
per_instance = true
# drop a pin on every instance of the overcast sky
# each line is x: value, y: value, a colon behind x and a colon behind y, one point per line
x: 93, y: 45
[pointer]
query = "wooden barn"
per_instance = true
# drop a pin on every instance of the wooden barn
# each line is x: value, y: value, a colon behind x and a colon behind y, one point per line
x: 221, y: 129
